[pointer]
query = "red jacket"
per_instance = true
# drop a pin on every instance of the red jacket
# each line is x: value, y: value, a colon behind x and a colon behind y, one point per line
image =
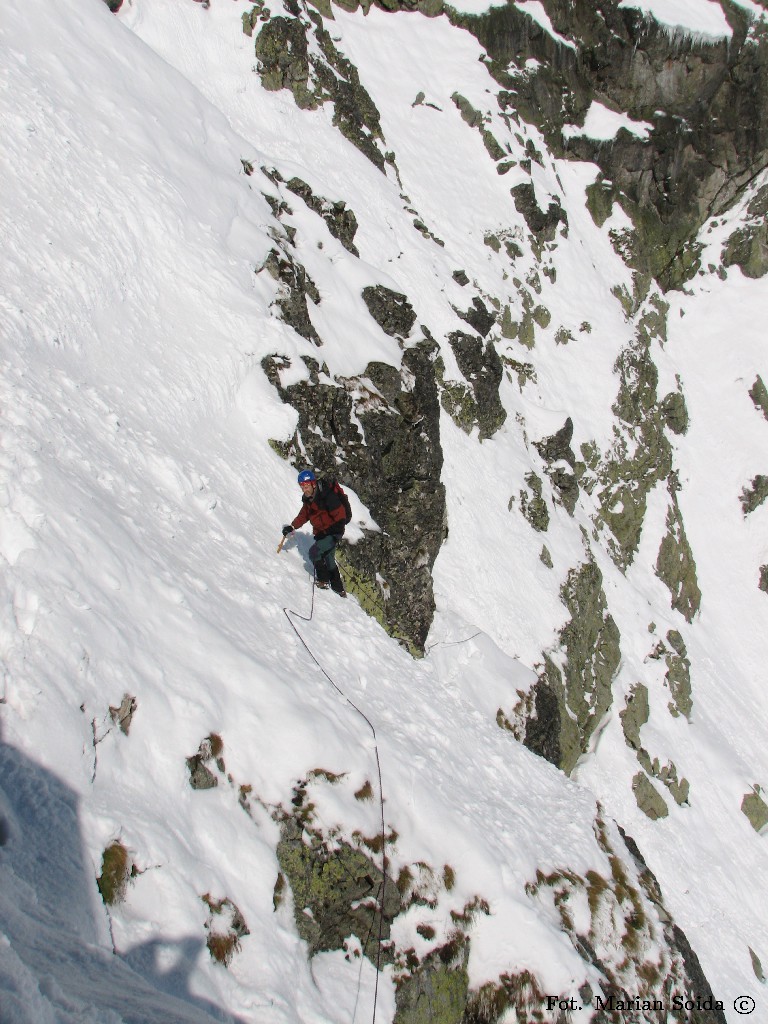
x: 325, y: 511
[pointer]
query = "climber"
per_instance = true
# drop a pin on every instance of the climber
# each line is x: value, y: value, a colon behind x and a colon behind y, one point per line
x: 325, y: 505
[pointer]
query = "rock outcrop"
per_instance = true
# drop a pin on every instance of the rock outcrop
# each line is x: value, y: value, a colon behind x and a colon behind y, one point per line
x: 705, y: 101
x: 316, y: 74
x: 380, y: 434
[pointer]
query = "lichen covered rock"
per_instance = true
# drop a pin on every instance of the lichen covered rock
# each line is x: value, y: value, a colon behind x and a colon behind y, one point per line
x: 635, y: 715
x: 337, y: 892
x: 532, y: 503
x: 340, y: 220
x: 756, y: 809
x: 380, y: 434
x: 616, y: 919
x: 685, y: 170
x: 759, y: 395
x: 318, y: 74
x: 436, y: 991
x: 675, y: 565
x: 649, y: 800
x: 561, y: 464
x: 678, y: 676
x: 753, y: 497
x: 641, y: 456
x: 558, y: 717
x: 747, y: 247
x: 483, y: 369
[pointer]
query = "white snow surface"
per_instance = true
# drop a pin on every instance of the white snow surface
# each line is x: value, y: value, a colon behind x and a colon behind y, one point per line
x: 602, y: 123
x: 704, y: 19
x: 537, y: 12
x: 141, y: 505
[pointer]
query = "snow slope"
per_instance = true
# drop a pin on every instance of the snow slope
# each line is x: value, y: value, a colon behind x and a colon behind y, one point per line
x: 141, y: 508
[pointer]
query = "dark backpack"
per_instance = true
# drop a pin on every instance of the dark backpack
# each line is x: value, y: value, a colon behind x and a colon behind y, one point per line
x: 337, y: 489
x: 333, y: 487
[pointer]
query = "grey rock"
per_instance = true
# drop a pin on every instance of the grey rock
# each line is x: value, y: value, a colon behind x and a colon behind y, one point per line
x: 394, y: 465
x: 391, y: 310
x: 284, y: 61
x: 649, y: 800
x: 296, y: 287
x: 478, y: 316
x: 122, y: 716
x: 555, y: 451
x: 483, y: 369
x: 675, y: 564
x: 747, y: 247
x: 200, y: 777
x: 542, y: 224
x: 532, y: 504
x: 341, y: 221
x: 759, y: 395
x: 754, y: 496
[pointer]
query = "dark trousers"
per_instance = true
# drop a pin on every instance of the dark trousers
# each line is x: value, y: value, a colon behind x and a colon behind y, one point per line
x: 324, y: 561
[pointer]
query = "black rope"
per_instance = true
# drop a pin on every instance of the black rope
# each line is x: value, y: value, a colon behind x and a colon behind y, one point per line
x: 380, y: 606
x: 364, y: 947
x: 288, y: 612
x: 452, y: 643
x: 368, y: 597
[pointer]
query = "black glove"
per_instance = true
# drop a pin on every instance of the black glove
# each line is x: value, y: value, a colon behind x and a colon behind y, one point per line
x: 287, y: 530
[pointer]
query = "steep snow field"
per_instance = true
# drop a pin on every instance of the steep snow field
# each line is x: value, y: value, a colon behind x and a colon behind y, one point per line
x: 141, y: 510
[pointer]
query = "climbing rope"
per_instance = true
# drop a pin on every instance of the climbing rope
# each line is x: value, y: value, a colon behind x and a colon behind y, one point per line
x: 381, y: 890
x: 452, y: 643
x: 368, y: 601
x: 288, y: 612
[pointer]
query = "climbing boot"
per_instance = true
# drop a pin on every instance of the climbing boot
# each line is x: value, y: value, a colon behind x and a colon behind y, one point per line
x: 337, y: 586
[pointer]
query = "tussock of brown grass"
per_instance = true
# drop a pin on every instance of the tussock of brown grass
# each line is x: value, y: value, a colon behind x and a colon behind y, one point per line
x: 223, y: 947
x: 116, y: 870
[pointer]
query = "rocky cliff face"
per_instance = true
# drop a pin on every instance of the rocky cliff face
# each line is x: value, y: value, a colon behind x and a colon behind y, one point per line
x: 705, y: 101
x: 379, y: 433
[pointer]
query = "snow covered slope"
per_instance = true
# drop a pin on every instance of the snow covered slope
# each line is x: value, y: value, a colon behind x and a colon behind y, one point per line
x: 141, y: 510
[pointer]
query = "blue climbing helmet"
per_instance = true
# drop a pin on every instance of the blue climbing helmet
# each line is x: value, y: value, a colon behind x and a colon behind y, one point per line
x: 306, y: 476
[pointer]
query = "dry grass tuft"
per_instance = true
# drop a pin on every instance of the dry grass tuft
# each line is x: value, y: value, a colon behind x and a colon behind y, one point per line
x: 116, y: 872
x: 365, y: 792
x: 223, y: 947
